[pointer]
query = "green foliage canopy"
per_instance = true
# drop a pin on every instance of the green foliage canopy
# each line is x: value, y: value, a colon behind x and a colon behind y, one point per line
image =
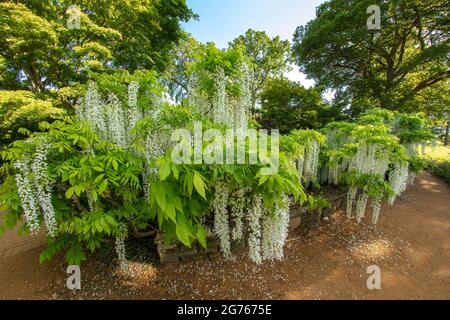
x: 287, y: 105
x: 386, y: 68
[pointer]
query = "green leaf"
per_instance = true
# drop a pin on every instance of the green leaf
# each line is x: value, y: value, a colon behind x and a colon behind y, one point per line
x: 199, y: 184
x: 70, y: 192
x: 160, y: 194
x: 99, y: 177
x: 263, y: 179
x: 164, y: 170
x: 78, y: 189
x: 188, y: 183
x: 176, y: 172
x: 98, y: 226
x: 115, y: 164
x: 183, y: 232
x: 111, y: 220
x: 102, y: 187
x: 75, y: 254
x: 171, y: 212
x: 176, y: 200
x: 201, y: 235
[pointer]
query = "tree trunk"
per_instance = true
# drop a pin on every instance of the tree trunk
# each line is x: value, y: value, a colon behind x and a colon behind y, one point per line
x: 34, y: 77
x: 447, y: 129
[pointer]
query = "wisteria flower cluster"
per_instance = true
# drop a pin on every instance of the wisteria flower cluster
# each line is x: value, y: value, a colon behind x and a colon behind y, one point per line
x: 109, y: 118
x: 371, y: 159
x: 266, y: 231
x: 120, y: 247
x: 34, y: 189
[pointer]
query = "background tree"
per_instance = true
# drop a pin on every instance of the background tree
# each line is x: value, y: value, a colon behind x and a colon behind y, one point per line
x: 23, y: 109
x: 208, y: 61
x: 44, y: 64
x: 287, y: 105
x: 45, y: 54
x: 386, y: 68
x: 269, y: 57
x: 183, y: 57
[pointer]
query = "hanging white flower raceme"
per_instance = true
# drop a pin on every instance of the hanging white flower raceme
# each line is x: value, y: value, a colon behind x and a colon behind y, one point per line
x: 221, y: 218
x: 92, y: 109
x: 275, y: 232
x: 254, y: 215
x: 133, y: 90
x: 43, y: 189
x: 156, y: 144
x: 34, y: 189
x: 221, y: 112
x: 351, y: 195
x: 398, y: 179
x: 413, y: 148
x: 237, y: 204
x: 370, y: 158
x: 335, y: 169
x: 120, y: 246
x: 146, y: 181
x: 133, y: 113
x: 109, y: 119
x: 115, y: 125
x: 244, y: 103
x: 310, y: 161
x: 361, y: 205
x: 411, y: 178
x: 197, y: 101
x: 300, y: 168
x: 26, y: 192
x: 90, y: 199
x: 376, y: 207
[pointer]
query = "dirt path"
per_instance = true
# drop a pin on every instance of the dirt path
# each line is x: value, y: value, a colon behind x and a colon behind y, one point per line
x: 411, y: 245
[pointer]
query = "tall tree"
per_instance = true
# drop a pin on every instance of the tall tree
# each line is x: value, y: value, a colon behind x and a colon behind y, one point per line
x: 183, y: 58
x: 287, y: 105
x: 387, y: 67
x: 38, y: 45
x: 269, y: 57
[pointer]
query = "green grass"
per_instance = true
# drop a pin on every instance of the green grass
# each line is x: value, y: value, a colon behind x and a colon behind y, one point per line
x: 439, y: 152
x: 439, y: 160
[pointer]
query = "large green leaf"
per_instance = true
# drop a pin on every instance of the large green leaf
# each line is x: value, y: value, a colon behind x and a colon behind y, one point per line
x: 170, y: 211
x: 199, y: 184
x: 201, y: 235
x: 183, y: 231
x: 160, y: 194
x: 164, y: 170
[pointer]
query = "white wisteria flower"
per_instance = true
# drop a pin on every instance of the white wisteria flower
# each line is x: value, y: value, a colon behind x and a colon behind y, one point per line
x: 221, y: 218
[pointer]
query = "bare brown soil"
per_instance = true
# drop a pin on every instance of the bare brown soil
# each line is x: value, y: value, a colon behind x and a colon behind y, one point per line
x: 411, y: 245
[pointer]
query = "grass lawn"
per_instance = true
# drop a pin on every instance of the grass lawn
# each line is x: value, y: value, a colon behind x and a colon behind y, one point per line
x: 439, y: 152
x: 439, y: 160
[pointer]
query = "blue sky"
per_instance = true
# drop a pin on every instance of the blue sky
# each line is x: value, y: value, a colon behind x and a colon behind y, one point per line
x: 223, y: 20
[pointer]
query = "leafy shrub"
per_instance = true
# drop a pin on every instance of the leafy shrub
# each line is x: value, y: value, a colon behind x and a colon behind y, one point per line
x: 109, y: 173
x: 23, y: 110
x: 441, y: 168
x: 438, y: 158
x: 377, y: 157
